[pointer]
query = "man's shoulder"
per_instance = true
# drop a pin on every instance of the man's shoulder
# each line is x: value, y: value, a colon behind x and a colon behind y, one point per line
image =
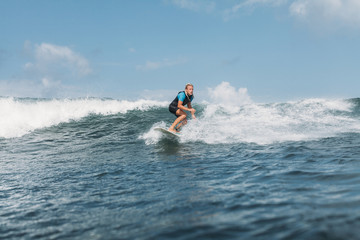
x: 181, y: 95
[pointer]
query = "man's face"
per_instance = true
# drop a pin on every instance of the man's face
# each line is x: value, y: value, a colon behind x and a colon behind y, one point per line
x: 190, y: 90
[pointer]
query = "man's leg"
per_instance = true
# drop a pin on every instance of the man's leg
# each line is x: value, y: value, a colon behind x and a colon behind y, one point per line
x: 182, y: 116
x: 182, y: 123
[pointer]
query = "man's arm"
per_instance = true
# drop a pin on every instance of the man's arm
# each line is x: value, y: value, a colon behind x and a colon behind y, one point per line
x: 183, y: 107
x: 191, y: 110
x: 189, y: 105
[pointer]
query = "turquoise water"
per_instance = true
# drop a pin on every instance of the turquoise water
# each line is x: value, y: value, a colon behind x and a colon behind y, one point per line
x: 96, y: 169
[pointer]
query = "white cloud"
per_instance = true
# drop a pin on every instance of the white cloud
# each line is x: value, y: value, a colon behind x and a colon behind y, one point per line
x: 132, y: 50
x: 49, y: 83
x: 150, y: 65
x: 159, y: 94
x: 323, y: 13
x: 49, y: 57
x: 327, y: 11
x: 250, y: 4
x: 227, y: 95
x: 20, y: 88
x: 49, y: 66
x: 46, y: 87
x: 45, y: 82
x: 195, y: 5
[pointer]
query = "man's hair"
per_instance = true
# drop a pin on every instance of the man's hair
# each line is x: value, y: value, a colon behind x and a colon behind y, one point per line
x: 188, y: 84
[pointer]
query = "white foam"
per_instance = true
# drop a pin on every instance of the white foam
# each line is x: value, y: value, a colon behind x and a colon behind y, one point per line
x: 269, y: 123
x: 152, y: 136
x: 19, y: 117
x: 232, y: 117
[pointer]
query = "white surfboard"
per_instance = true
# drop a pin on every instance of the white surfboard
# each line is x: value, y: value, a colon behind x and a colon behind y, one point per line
x: 167, y: 133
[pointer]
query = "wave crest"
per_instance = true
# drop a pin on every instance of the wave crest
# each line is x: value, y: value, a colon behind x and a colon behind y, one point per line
x: 21, y: 116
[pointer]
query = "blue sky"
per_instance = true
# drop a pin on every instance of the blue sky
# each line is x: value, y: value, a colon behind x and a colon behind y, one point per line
x: 276, y: 49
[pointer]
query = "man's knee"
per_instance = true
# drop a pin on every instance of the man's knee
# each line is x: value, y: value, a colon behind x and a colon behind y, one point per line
x: 183, y: 117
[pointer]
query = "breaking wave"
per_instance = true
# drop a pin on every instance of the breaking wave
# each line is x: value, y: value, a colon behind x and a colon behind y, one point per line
x: 22, y: 116
x: 230, y: 117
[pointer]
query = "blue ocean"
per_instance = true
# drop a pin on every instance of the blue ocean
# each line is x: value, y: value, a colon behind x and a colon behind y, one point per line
x: 95, y: 168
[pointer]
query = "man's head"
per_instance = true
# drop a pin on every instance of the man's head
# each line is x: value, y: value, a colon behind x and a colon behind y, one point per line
x: 189, y: 88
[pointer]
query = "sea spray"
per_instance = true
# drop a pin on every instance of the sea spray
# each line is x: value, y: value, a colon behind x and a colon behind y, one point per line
x: 268, y: 123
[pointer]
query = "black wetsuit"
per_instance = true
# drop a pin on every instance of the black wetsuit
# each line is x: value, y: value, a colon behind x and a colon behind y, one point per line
x: 173, y: 107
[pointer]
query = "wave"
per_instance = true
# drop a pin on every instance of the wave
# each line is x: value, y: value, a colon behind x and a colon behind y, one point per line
x: 220, y: 123
x: 303, y: 120
x: 22, y: 116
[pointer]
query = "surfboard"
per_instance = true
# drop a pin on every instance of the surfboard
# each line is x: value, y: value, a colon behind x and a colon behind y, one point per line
x: 167, y: 133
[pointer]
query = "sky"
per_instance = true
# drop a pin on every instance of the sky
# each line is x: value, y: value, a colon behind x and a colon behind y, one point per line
x: 273, y: 49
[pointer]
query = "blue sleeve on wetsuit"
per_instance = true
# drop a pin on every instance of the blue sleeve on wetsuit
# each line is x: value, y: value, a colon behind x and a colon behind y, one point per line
x: 181, y: 96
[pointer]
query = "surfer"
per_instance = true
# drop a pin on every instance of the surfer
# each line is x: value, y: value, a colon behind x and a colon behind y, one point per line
x: 177, y: 107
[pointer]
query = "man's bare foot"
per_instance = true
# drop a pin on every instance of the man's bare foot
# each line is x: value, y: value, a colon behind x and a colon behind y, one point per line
x: 173, y: 130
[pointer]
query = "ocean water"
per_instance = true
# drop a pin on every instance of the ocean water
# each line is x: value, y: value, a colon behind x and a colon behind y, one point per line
x: 96, y: 169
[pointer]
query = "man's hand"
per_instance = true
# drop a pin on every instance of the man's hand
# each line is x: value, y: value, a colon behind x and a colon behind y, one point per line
x: 192, y: 111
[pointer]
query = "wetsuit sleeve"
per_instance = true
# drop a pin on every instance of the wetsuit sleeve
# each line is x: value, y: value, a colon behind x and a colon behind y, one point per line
x: 181, y: 96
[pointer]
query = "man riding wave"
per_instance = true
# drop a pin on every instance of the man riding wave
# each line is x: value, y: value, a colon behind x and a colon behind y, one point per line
x: 177, y: 107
